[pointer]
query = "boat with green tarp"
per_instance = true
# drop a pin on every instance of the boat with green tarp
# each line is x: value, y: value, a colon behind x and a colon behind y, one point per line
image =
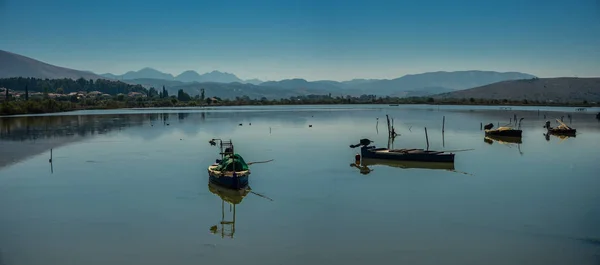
x: 231, y: 171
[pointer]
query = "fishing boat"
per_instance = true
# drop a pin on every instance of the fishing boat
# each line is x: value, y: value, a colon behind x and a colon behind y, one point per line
x: 562, y: 129
x: 504, y: 131
x: 420, y: 155
x: 231, y: 171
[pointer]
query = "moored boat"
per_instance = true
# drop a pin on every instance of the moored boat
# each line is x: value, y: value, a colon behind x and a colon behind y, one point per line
x: 504, y: 131
x: 231, y: 171
x: 562, y: 129
x: 420, y: 155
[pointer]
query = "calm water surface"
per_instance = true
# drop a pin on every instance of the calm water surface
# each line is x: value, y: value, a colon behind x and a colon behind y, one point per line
x: 130, y: 187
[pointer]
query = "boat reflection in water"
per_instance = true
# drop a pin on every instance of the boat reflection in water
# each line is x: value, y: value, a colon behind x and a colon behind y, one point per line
x: 562, y: 137
x: 505, y: 140
x: 365, y: 165
x: 490, y: 139
x: 226, y: 228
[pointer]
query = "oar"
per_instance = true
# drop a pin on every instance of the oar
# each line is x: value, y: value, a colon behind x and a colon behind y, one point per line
x: 461, y: 172
x: 454, y: 151
x: 260, y: 195
x: 258, y: 162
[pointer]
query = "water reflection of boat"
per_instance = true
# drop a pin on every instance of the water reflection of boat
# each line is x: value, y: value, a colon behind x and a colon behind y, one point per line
x: 562, y: 137
x: 232, y: 197
x: 502, y: 139
x: 408, y: 164
x: 506, y: 140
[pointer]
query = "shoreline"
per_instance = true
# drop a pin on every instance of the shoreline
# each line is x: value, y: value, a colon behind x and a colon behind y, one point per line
x: 584, y: 108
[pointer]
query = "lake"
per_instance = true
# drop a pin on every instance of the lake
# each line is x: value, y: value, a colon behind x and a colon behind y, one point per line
x: 131, y: 187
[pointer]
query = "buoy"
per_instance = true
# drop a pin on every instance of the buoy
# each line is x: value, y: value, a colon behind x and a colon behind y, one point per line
x: 240, y: 124
x: 310, y: 126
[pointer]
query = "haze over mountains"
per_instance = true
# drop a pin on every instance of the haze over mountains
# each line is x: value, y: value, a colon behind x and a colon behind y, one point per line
x: 562, y: 89
x: 186, y: 76
x: 458, y: 84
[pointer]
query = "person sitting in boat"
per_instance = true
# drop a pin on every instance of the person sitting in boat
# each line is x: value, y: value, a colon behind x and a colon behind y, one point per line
x: 547, y: 126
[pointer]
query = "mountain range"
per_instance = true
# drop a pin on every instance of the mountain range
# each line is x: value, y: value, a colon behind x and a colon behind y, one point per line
x: 227, y: 85
x: 186, y: 76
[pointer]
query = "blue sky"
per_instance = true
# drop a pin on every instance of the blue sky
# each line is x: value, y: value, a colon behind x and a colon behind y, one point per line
x: 311, y: 39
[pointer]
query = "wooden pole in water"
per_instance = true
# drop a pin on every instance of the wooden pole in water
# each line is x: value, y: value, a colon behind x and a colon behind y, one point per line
x: 443, y: 124
x: 427, y: 138
x: 388, y: 125
x: 481, y: 126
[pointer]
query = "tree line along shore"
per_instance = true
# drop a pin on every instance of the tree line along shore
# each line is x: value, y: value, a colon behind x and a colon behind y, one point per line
x: 36, y: 96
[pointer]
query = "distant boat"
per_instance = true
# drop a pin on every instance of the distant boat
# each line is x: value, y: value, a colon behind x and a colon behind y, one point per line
x: 504, y: 131
x: 393, y: 105
x: 562, y: 129
x: 231, y: 171
x: 402, y: 154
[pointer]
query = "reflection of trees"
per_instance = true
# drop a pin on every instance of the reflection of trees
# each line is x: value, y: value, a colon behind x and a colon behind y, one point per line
x: 41, y: 127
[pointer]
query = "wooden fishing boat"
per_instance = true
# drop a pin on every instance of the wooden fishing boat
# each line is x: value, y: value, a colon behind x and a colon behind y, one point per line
x: 231, y: 171
x: 421, y: 155
x: 504, y: 131
x: 562, y: 129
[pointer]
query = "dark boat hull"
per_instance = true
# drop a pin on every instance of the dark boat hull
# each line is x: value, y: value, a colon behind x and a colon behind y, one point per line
x: 568, y: 132
x: 235, y: 183
x: 231, y: 180
x: 417, y: 155
x: 506, y: 133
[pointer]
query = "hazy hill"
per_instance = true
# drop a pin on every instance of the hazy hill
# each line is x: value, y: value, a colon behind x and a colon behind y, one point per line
x: 562, y: 89
x: 409, y: 85
x: 233, y: 90
x: 303, y: 86
x: 146, y: 73
x: 188, y: 76
x: 217, y: 77
x: 14, y: 65
x: 445, y: 80
x: 253, y: 81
